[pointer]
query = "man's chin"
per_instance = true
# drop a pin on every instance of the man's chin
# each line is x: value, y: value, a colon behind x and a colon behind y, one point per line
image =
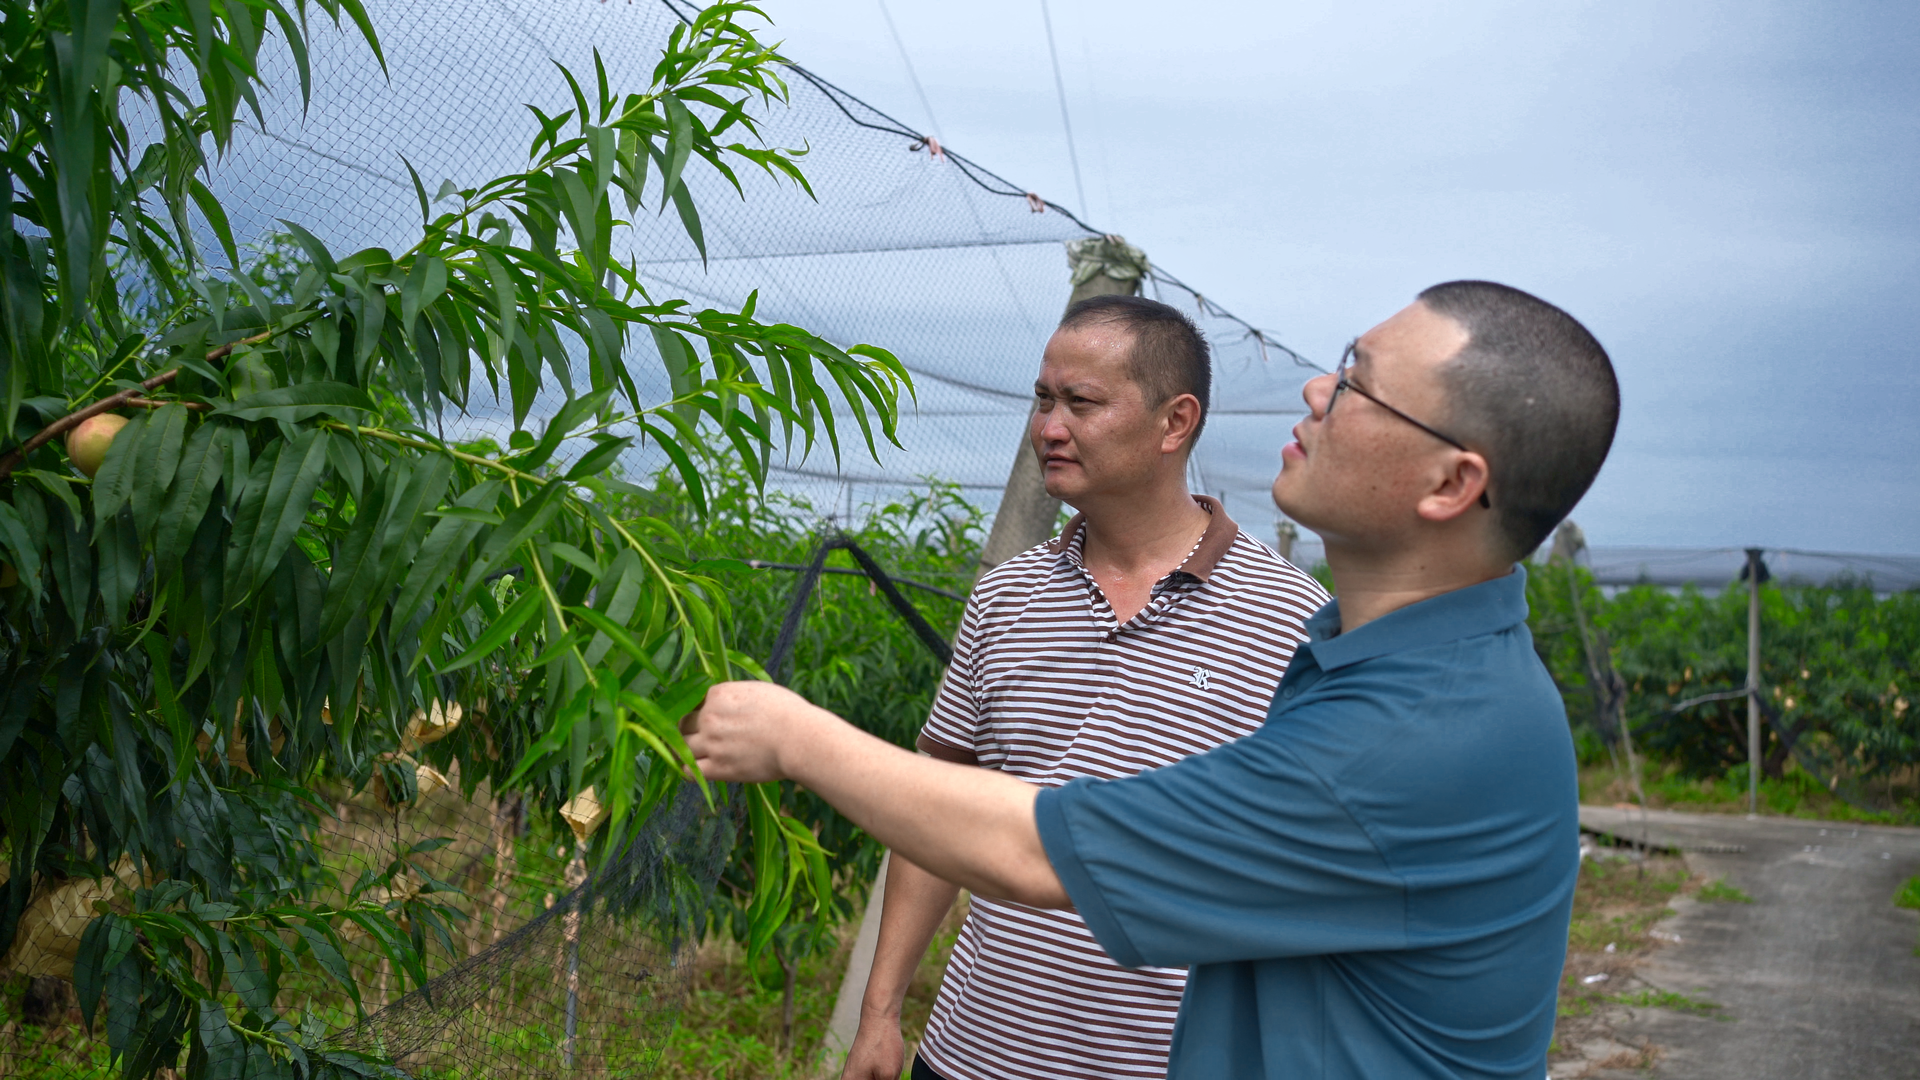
x: 1291, y: 505
x: 1059, y: 484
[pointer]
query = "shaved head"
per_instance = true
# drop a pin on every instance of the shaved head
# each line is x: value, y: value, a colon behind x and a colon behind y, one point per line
x: 1533, y: 391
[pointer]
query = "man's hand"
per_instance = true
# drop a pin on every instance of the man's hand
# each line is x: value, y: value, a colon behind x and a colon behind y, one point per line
x: 739, y: 733
x: 973, y: 827
x: 879, y: 1051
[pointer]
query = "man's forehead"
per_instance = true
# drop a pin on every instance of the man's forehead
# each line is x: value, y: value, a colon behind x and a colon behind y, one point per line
x: 1416, y: 335
x: 1082, y: 367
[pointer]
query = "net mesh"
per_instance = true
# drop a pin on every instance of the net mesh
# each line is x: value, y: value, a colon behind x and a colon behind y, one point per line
x: 582, y: 975
x: 958, y: 271
x: 536, y: 966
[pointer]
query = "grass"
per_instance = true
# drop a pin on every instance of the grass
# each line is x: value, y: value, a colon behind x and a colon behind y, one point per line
x: 1617, y: 905
x: 58, y: 1050
x: 1797, y: 794
x: 1617, y: 902
x: 730, y: 1026
x: 1667, y: 999
x: 1909, y: 894
x: 1718, y: 891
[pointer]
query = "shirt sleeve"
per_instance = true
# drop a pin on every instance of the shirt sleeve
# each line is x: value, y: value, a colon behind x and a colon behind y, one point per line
x: 1240, y: 853
x: 950, y: 730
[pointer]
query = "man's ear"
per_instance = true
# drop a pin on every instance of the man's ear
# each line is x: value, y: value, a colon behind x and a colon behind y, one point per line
x: 1180, y: 418
x: 1460, y: 488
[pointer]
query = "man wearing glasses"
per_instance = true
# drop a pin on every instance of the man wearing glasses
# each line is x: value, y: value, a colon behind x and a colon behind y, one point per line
x: 1377, y: 883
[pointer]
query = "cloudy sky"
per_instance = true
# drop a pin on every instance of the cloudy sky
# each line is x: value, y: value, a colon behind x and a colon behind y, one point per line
x: 1723, y: 192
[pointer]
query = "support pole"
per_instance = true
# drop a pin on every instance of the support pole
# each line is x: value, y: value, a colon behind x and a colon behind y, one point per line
x: 1102, y: 266
x: 1286, y: 532
x: 1756, y: 573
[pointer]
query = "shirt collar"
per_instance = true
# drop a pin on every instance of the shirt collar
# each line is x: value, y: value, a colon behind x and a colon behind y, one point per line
x: 1486, y: 608
x: 1220, y: 534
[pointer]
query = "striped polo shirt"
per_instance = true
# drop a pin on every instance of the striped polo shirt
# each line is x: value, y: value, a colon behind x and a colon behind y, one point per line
x: 1045, y: 685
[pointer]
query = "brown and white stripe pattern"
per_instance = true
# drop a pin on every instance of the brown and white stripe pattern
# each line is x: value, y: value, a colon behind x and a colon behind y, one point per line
x: 1045, y: 685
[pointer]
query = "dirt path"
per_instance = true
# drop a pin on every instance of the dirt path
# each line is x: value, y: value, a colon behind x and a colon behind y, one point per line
x: 1817, y: 976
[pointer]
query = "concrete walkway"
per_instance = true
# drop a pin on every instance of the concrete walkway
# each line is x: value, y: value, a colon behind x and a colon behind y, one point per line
x: 1818, y: 975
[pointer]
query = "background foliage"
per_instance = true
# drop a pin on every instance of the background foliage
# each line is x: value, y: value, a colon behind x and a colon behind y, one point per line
x: 1838, y: 670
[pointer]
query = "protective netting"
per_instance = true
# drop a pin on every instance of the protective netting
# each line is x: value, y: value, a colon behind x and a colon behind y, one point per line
x: 590, y: 977
x: 956, y: 270
x: 537, y: 967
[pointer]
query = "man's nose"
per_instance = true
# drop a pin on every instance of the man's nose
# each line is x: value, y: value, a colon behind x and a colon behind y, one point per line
x: 1318, y: 394
x: 1048, y: 426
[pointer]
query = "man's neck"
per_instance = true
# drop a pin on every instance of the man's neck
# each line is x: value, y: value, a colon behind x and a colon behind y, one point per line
x: 1371, y: 583
x: 1150, y: 530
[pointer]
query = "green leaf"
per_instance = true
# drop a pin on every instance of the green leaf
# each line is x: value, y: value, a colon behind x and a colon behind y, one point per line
x: 440, y: 553
x: 689, y: 473
x: 293, y: 404
x: 279, y: 506
x: 324, y: 950
x: 21, y: 549
x: 690, y: 220
x: 196, y: 477
x: 467, y: 513
x: 568, y: 553
x: 607, y: 450
x: 497, y: 633
x: 616, y: 634
x: 358, y: 14
x: 119, y: 560
x: 159, y: 457
x: 348, y: 465
x: 558, y: 733
x: 425, y: 285
x: 423, y: 491
x: 72, y: 562
x: 679, y: 145
x: 317, y: 251
x: 524, y: 523
x: 355, y: 561
x: 217, y: 218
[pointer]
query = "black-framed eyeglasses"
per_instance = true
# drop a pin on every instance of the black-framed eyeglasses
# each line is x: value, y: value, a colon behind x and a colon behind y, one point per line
x: 1343, y: 384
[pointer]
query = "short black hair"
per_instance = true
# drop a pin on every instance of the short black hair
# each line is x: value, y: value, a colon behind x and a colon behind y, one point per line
x: 1534, y: 391
x: 1169, y: 357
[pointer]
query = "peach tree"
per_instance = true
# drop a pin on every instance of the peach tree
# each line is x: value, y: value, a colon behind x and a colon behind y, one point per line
x: 247, y: 581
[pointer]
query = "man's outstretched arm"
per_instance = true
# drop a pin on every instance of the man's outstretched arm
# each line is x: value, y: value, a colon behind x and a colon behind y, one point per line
x: 973, y: 827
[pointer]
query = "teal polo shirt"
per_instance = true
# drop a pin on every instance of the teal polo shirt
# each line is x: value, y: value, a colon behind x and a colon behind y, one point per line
x: 1375, y: 884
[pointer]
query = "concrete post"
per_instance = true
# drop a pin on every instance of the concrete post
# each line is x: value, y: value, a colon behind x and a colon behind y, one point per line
x: 1755, y: 574
x: 1286, y: 533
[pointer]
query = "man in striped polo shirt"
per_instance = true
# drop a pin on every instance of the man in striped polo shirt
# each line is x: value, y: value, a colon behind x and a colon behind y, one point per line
x: 1151, y: 629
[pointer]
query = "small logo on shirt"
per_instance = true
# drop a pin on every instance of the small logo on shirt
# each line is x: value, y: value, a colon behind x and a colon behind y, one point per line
x: 1199, y: 678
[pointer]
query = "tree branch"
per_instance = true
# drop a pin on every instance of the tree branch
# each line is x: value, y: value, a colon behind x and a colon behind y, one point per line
x: 108, y: 404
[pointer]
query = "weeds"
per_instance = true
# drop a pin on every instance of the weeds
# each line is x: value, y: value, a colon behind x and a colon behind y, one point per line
x: 1796, y: 794
x: 730, y: 1027
x: 1671, y: 1001
x: 1718, y: 891
x: 1616, y: 904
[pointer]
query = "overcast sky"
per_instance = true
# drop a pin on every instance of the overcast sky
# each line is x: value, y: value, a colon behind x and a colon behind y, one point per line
x: 1722, y: 192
